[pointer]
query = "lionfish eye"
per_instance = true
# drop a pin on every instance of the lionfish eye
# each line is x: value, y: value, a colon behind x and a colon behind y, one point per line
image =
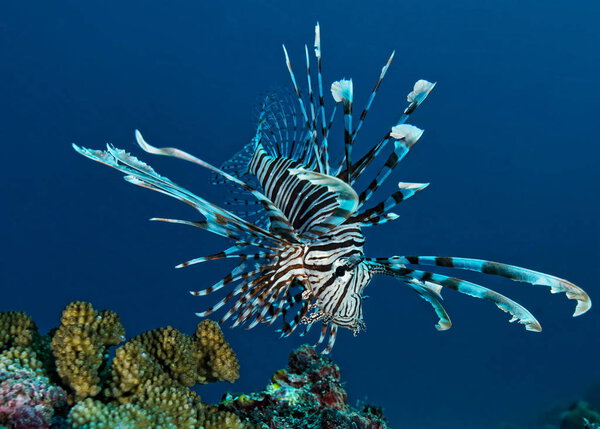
x: 339, y: 271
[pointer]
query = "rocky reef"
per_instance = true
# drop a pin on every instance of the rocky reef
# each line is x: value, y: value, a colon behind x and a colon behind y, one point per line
x: 66, y: 379
x: 580, y: 414
x: 308, y: 394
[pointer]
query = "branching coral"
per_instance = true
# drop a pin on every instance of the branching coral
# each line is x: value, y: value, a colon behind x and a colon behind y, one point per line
x: 217, y: 361
x: 17, y: 329
x: 79, y: 346
x: 166, y: 357
x: 145, y: 386
x: 213, y: 419
x: 21, y: 345
x: 91, y: 413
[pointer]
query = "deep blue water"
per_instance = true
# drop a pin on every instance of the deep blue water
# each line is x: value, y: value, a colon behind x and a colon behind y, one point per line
x: 511, y: 149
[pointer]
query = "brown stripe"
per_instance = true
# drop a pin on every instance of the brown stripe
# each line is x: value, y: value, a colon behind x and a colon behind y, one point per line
x: 444, y: 261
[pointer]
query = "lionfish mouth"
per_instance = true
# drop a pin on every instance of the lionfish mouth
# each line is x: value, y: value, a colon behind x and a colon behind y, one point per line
x: 290, y: 196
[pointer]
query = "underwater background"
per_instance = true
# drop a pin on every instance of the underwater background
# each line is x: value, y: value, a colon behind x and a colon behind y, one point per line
x: 511, y: 149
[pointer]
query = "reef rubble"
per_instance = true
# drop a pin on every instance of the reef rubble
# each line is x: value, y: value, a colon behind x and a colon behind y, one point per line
x: 308, y: 394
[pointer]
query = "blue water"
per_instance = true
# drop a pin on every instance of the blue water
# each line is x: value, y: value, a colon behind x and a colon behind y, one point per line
x: 511, y: 149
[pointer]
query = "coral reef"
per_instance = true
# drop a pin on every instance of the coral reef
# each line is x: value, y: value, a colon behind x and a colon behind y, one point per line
x: 579, y: 416
x: 217, y: 359
x: 28, y: 399
x: 309, y: 394
x: 169, y: 358
x: 79, y: 346
x: 17, y: 329
x: 67, y: 380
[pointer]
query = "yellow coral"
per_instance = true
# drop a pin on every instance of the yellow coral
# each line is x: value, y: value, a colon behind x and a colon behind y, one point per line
x: 156, y: 408
x: 180, y: 405
x: 17, y: 329
x: 166, y: 357
x: 222, y: 420
x: 24, y: 357
x: 174, y: 351
x: 108, y: 326
x: 218, y: 362
x: 91, y: 413
x: 79, y: 346
x: 21, y: 346
x: 132, y: 367
x: 147, y: 380
x: 79, y: 354
x: 78, y: 313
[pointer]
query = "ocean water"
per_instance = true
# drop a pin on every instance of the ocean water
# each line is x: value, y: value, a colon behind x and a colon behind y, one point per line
x: 511, y: 149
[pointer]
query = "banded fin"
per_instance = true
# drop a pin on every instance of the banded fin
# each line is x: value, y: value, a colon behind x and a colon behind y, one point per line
x: 232, y: 252
x: 365, y: 111
x: 420, y: 91
x: 405, y: 136
x: 297, y: 89
x: 430, y: 292
x: 406, y: 191
x: 324, y: 128
x: 556, y: 284
x: 517, y: 311
x: 238, y: 273
x: 332, y: 338
x: 279, y: 223
x: 343, y: 92
x: 218, y: 220
x: 380, y: 219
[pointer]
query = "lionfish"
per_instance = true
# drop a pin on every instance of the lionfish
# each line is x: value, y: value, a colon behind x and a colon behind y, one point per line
x: 299, y: 231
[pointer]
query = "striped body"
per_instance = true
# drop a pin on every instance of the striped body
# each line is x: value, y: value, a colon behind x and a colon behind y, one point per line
x: 296, y: 221
x: 338, y: 298
x: 337, y: 281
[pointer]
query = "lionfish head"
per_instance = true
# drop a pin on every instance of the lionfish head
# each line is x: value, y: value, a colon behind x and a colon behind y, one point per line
x: 338, y: 290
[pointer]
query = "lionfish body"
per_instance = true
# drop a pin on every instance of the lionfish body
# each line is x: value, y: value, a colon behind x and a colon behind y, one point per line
x: 298, y: 230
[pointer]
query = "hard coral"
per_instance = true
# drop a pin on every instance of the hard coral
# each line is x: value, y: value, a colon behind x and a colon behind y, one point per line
x: 91, y: 413
x: 17, y: 329
x: 217, y: 361
x: 168, y: 358
x: 309, y: 394
x: 21, y: 357
x: 79, y: 346
x: 222, y: 420
x: 146, y: 385
x: 21, y: 345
